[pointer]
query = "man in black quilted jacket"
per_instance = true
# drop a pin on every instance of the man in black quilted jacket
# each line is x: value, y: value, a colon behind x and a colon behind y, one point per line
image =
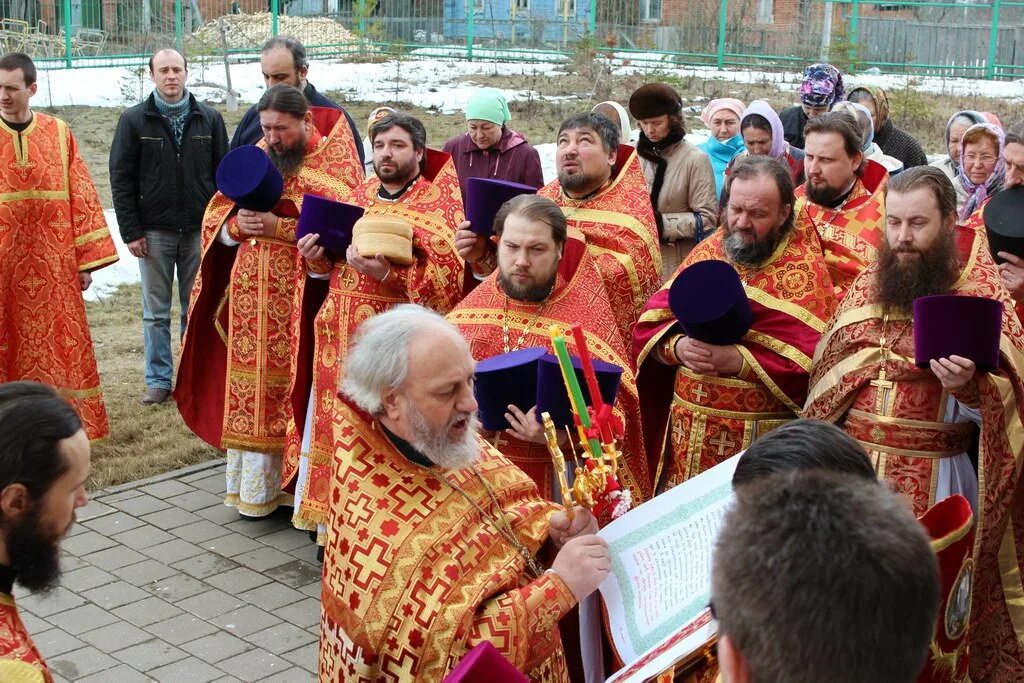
x: 162, y: 165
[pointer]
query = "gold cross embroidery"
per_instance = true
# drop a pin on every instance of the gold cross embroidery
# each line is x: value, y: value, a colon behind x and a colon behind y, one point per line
x: 678, y: 433
x: 723, y: 442
x: 699, y: 393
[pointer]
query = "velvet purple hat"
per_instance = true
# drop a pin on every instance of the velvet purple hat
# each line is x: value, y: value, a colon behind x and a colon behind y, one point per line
x: 484, y: 664
x: 331, y: 220
x: 509, y: 378
x: 710, y: 304
x: 1004, y: 222
x: 552, y: 396
x: 949, y: 325
x: 484, y: 197
x: 248, y: 177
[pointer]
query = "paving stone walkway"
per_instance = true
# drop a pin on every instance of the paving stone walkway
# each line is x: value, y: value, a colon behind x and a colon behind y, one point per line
x: 162, y: 582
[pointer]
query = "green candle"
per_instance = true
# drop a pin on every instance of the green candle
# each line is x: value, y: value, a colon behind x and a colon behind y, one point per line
x: 572, y: 385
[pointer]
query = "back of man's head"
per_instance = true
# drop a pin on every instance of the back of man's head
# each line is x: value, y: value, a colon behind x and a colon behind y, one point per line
x: 823, y: 577
x: 803, y: 445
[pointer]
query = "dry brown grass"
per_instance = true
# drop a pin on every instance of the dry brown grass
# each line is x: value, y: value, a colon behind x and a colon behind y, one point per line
x: 144, y: 440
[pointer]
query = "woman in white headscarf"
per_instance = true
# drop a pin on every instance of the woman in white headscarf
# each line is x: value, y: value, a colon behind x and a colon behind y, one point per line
x: 868, y: 145
x: 618, y: 115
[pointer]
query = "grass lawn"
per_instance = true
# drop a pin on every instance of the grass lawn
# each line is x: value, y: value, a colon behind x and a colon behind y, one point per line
x: 144, y: 440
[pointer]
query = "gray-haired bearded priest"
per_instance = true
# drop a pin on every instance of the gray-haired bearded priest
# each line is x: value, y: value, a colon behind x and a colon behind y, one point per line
x: 435, y: 541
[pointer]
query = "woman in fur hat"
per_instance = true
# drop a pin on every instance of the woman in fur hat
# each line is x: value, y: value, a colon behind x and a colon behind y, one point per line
x: 678, y: 175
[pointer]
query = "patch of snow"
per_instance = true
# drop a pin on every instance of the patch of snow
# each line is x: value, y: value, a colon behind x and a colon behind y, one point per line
x: 125, y: 271
x: 437, y: 82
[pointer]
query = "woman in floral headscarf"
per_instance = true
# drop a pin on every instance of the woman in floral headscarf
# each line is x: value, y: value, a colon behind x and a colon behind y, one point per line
x: 893, y: 141
x: 821, y: 88
x: 982, y: 167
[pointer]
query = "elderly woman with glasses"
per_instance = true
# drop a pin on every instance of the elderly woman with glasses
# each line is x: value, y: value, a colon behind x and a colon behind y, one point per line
x: 982, y: 169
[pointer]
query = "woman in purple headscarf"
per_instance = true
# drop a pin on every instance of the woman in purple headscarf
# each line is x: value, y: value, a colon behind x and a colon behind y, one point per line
x: 982, y: 168
x: 821, y: 87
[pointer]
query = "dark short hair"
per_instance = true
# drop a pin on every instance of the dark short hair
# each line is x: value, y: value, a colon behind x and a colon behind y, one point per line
x: 605, y: 128
x: 410, y: 124
x: 12, y: 61
x: 750, y: 167
x: 286, y: 99
x: 533, y: 207
x: 291, y: 44
x: 819, y: 576
x: 755, y: 121
x: 167, y: 49
x: 929, y: 177
x: 34, y: 419
x: 837, y: 122
x: 799, y: 445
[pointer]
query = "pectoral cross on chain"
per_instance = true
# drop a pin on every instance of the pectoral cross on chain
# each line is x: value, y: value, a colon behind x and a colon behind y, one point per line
x: 883, y: 385
x: 883, y: 389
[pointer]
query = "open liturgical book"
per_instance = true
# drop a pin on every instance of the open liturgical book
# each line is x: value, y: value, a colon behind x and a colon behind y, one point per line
x: 659, y: 586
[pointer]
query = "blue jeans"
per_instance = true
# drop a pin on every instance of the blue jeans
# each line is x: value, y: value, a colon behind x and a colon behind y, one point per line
x: 165, y: 250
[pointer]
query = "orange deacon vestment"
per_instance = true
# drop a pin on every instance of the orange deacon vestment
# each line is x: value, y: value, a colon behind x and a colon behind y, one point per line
x: 618, y: 223
x: 236, y: 364
x: 415, y: 574
x: 578, y: 297
x: 51, y: 229
x: 433, y: 205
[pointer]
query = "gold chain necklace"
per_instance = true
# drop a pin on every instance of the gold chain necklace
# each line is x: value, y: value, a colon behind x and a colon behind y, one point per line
x: 885, y: 345
x: 526, y: 330
x: 504, y: 528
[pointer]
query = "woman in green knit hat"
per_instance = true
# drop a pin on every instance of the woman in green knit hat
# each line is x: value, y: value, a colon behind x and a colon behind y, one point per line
x: 489, y: 148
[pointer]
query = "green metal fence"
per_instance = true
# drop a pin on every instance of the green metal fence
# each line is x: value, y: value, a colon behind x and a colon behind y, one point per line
x: 901, y: 36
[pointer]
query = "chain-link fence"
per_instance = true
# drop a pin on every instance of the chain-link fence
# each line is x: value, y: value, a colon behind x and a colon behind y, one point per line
x: 911, y: 36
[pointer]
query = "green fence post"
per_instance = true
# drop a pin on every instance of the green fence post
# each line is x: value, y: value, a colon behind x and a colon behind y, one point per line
x: 67, y: 33
x: 993, y: 40
x: 470, y: 18
x: 854, y: 20
x: 275, y: 8
x: 177, y: 25
x: 723, y: 17
x: 361, y: 5
x: 592, y: 23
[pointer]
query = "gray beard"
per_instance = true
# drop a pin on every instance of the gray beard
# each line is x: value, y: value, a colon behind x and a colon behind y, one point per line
x: 753, y: 253
x: 576, y: 182
x: 439, y: 448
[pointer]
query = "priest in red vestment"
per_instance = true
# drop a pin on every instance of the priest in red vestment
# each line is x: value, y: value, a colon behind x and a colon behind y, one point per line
x: 712, y: 401
x: 602, y: 192
x: 52, y: 237
x: 916, y: 422
x: 419, y: 186
x: 237, y: 360
x: 843, y: 198
x: 546, y: 277
x: 437, y: 542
